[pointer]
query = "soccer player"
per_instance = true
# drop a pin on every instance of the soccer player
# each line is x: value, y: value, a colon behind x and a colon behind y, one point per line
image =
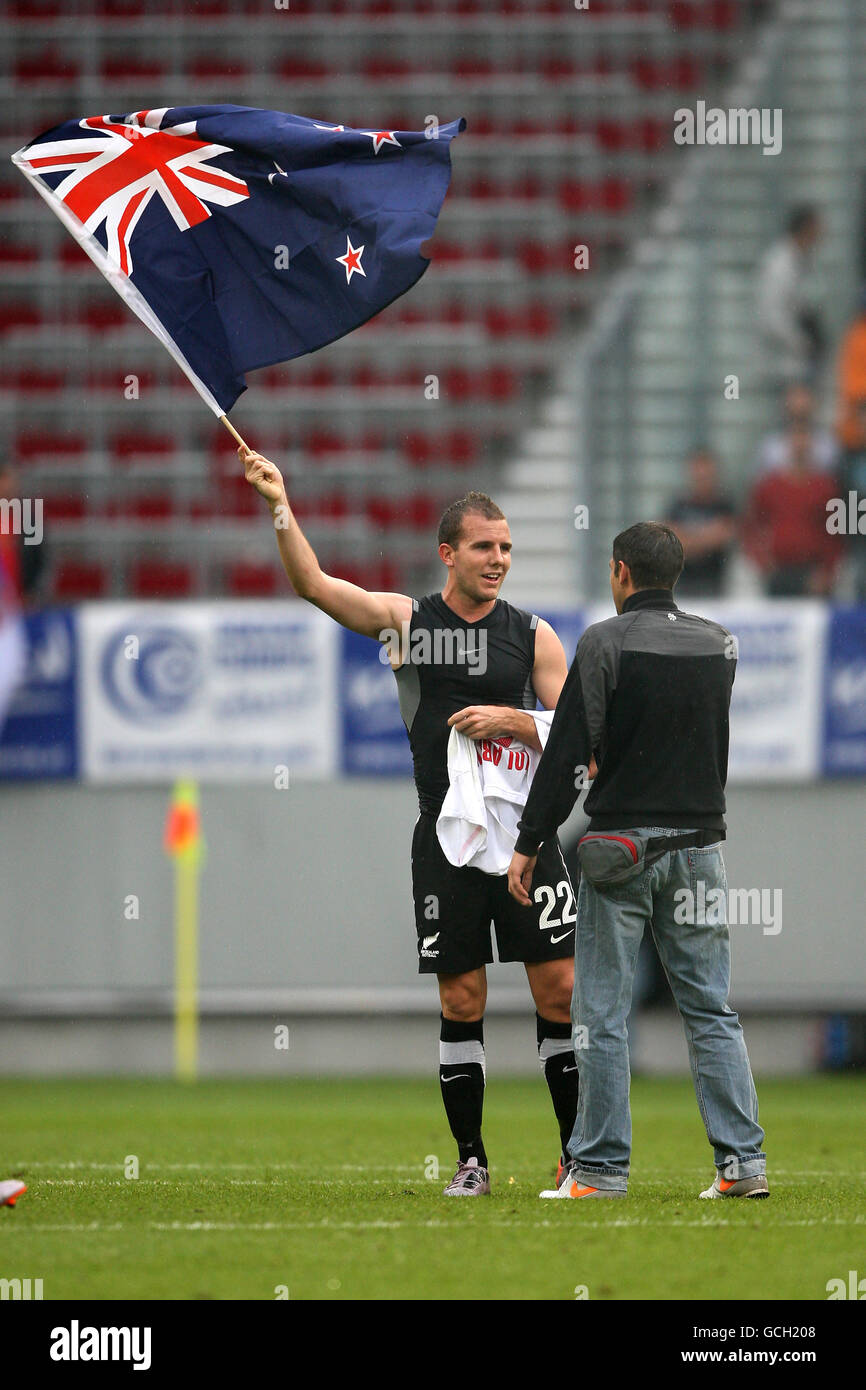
x: 508, y: 659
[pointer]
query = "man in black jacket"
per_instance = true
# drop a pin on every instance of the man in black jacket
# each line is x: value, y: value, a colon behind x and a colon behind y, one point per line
x: 647, y: 696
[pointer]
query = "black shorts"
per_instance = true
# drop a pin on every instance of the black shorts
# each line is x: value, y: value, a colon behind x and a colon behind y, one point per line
x: 454, y: 909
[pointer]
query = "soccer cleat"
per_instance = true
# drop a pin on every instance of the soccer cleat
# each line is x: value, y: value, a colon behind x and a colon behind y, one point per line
x: 568, y: 1186
x: 10, y: 1191
x: 470, y: 1180
x: 742, y: 1187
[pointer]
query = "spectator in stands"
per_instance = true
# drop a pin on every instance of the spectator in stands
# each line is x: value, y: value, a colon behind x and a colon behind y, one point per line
x: 791, y: 329
x: 705, y: 520
x: 799, y: 410
x: 786, y: 531
x: 20, y: 567
x: 851, y: 428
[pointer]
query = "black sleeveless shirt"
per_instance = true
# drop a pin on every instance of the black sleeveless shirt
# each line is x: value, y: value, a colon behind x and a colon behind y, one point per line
x: 452, y: 663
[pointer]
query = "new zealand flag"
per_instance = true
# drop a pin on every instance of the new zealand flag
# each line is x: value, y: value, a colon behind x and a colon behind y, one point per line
x: 245, y: 237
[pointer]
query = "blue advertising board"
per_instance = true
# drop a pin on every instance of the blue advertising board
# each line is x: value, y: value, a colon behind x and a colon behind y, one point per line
x: 374, y: 736
x: 39, y: 737
x: 844, y: 752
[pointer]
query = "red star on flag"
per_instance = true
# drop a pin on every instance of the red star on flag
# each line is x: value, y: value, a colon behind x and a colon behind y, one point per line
x: 352, y: 260
x: 380, y: 138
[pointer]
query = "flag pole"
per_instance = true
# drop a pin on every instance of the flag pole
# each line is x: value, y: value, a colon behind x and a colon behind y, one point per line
x: 224, y: 419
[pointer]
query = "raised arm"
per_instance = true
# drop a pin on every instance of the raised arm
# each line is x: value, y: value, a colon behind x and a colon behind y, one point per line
x: 372, y: 614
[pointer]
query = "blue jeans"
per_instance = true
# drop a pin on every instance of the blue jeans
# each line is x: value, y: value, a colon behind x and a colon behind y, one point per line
x: 697, y: 962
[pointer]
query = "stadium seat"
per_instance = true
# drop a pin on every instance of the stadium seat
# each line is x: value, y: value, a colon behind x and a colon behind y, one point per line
x: 48, y: 65
x: 49, y: 444
x: 246, y: 579
x: 14, y: 316
x: 132, y: 444
x: 77, y: 580
x: 160, y: 579
x: 65, y: 507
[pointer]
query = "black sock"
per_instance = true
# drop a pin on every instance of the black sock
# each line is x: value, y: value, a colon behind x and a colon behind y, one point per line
x: 557, y: 1060
x: 461, y: 1079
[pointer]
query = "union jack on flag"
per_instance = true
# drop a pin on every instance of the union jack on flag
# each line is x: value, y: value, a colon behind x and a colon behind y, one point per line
x: 244, y: 237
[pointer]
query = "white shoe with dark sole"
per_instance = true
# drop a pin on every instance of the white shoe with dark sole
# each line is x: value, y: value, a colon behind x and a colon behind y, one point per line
x: 742, y: 1187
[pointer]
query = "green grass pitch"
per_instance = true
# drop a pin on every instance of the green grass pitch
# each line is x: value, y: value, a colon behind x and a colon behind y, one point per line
x: 249, y: 1188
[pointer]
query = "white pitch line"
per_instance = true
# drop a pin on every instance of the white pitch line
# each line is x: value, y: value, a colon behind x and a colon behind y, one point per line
x: 219, y: 1167
x: 405, y: 1168
x: 706, y: 1224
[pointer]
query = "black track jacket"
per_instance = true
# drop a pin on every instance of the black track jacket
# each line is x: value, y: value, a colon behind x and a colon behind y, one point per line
x: 648, y: 694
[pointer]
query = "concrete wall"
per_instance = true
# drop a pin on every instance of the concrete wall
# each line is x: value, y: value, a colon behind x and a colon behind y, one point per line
x: 306, y: 913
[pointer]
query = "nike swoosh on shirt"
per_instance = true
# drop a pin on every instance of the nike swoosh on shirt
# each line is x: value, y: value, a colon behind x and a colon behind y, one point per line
x: 554, y: 939
x: 457, y: 1077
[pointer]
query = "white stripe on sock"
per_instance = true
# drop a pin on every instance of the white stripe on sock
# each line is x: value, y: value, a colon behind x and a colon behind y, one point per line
x: 470, y: 1051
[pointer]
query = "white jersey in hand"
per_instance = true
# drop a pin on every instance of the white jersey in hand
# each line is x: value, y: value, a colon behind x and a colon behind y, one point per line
x: 488, y: 783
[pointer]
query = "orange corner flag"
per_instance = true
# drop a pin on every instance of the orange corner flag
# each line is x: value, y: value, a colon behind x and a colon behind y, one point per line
x: 182, y: 836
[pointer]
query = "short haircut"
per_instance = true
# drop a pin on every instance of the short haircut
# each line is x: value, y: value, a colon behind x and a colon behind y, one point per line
x: 653, y: 553
x: 801, y: 217
x: 451, y: 525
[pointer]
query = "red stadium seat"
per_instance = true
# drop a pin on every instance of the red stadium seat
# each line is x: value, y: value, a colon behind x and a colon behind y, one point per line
x: 372, y: 440
x: 138, y: 444
x: 31, y: 381
x: 319, y: 442
x: 71, y: 507
x: 102, y: 315
x: 129, y: 68
x: 49, y: 65
x: 49, y: 444
x: 538, y: 321
x: 614, y: 195
x: 156, y: 506
x: 498, y: 383
x: 17, y: 253
x: 418, y: 448
x: 211, y: 66
x: 160, y: 579
x: 380, y: 512
x: 237, y: 497
x: 558, y: 69
x: 460, y: 448
x: 69, y: 253
x: 296, y: 68
x: 13, y: 316
x: 574, y: 195
x: 245, y: 579
x: 423, y: 512
x: 380, y: 67
x: 533, y: 256
x: 467, y: 69
x: 498, y: 321
x: 529, y: 187
x: 76, y: 580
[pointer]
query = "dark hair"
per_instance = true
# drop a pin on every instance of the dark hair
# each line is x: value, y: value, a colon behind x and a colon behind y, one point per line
x: 801, y: 217
x: 451, y: 525
x: 653, y: 553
